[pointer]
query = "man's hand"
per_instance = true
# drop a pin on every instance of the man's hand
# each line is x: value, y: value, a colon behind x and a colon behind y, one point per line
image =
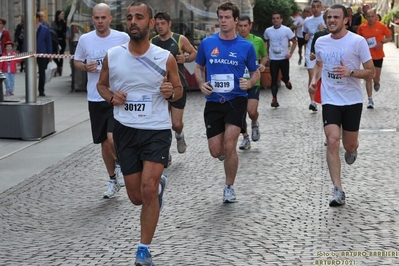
x: 245, y: 84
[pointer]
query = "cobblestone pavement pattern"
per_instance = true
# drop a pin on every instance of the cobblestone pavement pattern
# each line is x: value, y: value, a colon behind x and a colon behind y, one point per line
x: 58, y: 217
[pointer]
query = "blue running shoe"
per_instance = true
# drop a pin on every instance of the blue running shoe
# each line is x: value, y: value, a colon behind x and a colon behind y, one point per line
x: 143, y: 257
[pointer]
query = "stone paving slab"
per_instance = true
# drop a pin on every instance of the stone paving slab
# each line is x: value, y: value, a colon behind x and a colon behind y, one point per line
x: 58, y: 217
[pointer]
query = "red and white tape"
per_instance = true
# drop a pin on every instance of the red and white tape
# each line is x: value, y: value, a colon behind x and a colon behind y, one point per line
x: 32, y: 54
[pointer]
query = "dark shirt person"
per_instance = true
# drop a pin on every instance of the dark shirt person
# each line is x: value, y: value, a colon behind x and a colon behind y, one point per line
x: 43, y: 46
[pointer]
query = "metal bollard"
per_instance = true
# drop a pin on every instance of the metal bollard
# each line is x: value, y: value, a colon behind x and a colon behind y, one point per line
x: 2, y: 78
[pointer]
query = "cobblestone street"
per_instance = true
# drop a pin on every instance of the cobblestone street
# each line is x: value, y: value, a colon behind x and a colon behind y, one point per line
x: 282, y: 217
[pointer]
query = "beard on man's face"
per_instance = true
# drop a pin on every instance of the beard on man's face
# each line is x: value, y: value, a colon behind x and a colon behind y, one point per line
x: 140, y: 35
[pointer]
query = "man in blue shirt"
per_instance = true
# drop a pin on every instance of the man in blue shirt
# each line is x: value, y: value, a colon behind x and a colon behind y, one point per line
x: 43, y: 46
x: 226, y: 57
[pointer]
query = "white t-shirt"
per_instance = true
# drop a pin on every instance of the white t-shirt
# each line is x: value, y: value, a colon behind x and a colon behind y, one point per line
x: 91, y: 47
x: 141, y: 78
x: 298, y: 21
x: 353, y: 50
x: 310, y: 26
x: 278, y: 41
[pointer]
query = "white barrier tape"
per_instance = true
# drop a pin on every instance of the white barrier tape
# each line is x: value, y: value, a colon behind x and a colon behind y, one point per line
x: 32, y: 54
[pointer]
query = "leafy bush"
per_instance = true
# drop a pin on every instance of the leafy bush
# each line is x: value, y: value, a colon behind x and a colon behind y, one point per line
x: 386, y: 19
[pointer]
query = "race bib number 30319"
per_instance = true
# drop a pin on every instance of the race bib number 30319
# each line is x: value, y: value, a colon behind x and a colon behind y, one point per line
x: 222, y: 82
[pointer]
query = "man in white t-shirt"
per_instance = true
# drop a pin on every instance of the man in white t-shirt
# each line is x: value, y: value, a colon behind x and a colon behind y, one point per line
x: 311, y: 25
x: 88, y: 57
x: 339, y: 57
x: 277, y: 39
x: 298, y: 29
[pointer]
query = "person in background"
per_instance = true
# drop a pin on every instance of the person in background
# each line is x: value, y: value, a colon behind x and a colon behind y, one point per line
x: 349, y: 24
x: 43, y: 46
x: 9, y: 68
x: 361, y: 18
x: 278, y: 38
x: 181, y: 48
x: 5, y: 36
x: 88, y: 57
x: 222, y: 60
x: 244, y: 29
x: 19, y: 39
x: 311, y: 25
x: 376, y: 34
x: 60, y: 27
x: 297, y: 27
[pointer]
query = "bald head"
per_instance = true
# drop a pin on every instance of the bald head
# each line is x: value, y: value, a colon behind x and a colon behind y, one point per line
x: 103, y: 8
x: 371, y: 16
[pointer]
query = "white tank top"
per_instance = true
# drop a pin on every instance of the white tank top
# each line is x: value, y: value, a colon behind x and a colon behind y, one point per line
x: 140, y: 77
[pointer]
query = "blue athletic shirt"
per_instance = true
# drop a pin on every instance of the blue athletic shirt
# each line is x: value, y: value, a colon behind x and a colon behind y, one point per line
x: 222, y: 58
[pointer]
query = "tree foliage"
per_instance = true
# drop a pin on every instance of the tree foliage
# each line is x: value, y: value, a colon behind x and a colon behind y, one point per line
x: 264, y: 9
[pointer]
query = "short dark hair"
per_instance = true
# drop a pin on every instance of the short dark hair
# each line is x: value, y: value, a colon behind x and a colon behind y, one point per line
x: 244, y: 18
x: 149, y: 8
x: 162, y: 15
x: 228, y: 5
x: 342, y: 7
x: 3, y: 21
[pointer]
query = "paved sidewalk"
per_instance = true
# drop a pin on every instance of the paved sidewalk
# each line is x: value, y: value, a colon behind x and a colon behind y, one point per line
x: 56, y: 216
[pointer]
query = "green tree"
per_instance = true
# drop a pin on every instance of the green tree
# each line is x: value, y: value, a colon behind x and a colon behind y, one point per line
x: 264, y: 9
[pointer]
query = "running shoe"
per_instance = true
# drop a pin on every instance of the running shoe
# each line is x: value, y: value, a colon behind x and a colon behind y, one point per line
x: 338, y: 198
x: 228, y: 194
x: 370, y: 105
x: 350, y: 158
x: 255, y: 132
x: 119, y: 175
x: 245, y: 144
x: 376, y: 86
x: 143, y: 257
x: 288, y: 85
x: 274, y: 103
x: 181, y: 144
x: 170, y: 160
x: 313, y: 106
x: 163, y: 182
x: 300, y: 60
x: 112, y: 188
x: 222, y: 157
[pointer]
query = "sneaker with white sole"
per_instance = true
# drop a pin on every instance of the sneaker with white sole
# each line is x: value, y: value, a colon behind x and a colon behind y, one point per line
x: 245, y: 144
x: 181, y: 144
x: 338, y: 198
x: 228, y: 194
x: 376, y: 86
x: 112, y: 188
x: 170, y: 160
x: 119, y: 175
x: 350, y: 158
x: 143, y: 257
x: 370, y: 105
x: 313, y: 106
x: 163, y: 182
x: 255, y: 132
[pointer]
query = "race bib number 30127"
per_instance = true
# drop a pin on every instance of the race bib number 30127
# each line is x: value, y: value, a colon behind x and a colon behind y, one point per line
x: 138, y: 106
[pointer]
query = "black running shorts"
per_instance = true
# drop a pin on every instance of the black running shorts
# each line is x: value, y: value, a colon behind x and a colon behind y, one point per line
x: 348, y: 116
x: 181, y: 103
x: 101, y: 120
x: 133, y: 146
x: 217, y: 114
